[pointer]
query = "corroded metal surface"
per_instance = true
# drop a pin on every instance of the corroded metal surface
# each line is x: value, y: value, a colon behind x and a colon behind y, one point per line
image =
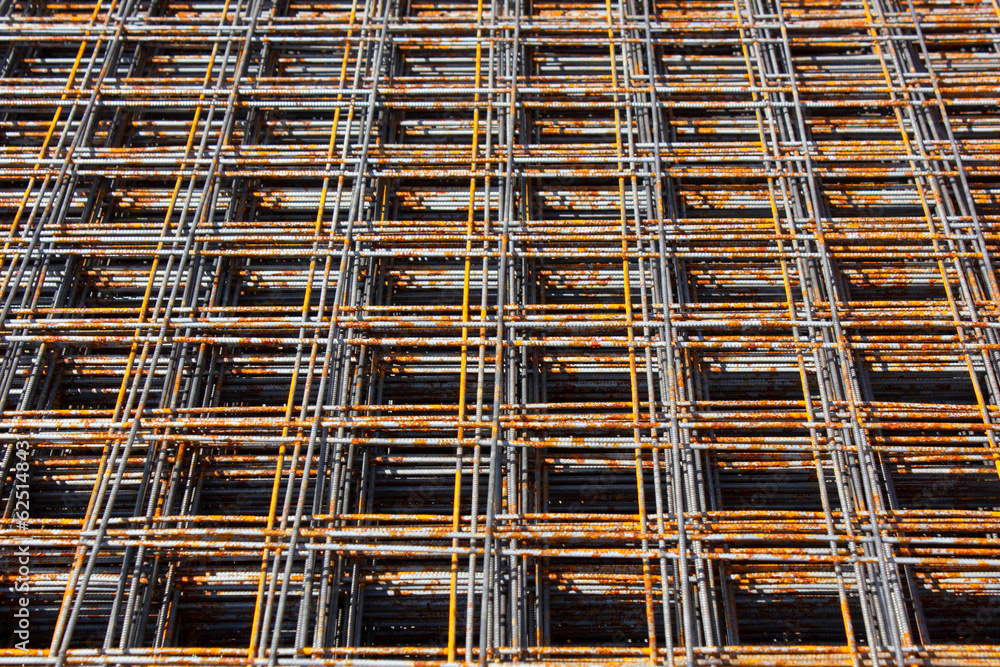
x: 379, y: 333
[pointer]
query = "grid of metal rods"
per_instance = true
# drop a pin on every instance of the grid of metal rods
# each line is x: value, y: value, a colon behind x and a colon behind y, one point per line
x: 386, y: 332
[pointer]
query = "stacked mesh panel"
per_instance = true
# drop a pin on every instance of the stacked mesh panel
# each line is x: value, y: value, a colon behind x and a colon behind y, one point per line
x: 387, y: 332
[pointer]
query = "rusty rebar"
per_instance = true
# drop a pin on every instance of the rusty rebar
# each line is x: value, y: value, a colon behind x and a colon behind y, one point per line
x: 394, y: 333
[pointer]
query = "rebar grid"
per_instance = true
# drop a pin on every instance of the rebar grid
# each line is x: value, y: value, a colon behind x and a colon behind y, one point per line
x: 383, y: 332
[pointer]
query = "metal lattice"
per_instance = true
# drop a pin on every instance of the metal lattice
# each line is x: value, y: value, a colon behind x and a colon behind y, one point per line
x: 642, y: 331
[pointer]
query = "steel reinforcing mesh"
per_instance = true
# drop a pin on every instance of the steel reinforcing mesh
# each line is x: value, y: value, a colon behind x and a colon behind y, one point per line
x: 394, y: 331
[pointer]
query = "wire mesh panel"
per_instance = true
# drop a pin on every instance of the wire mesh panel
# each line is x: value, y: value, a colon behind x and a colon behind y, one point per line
x: 388, y: 332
